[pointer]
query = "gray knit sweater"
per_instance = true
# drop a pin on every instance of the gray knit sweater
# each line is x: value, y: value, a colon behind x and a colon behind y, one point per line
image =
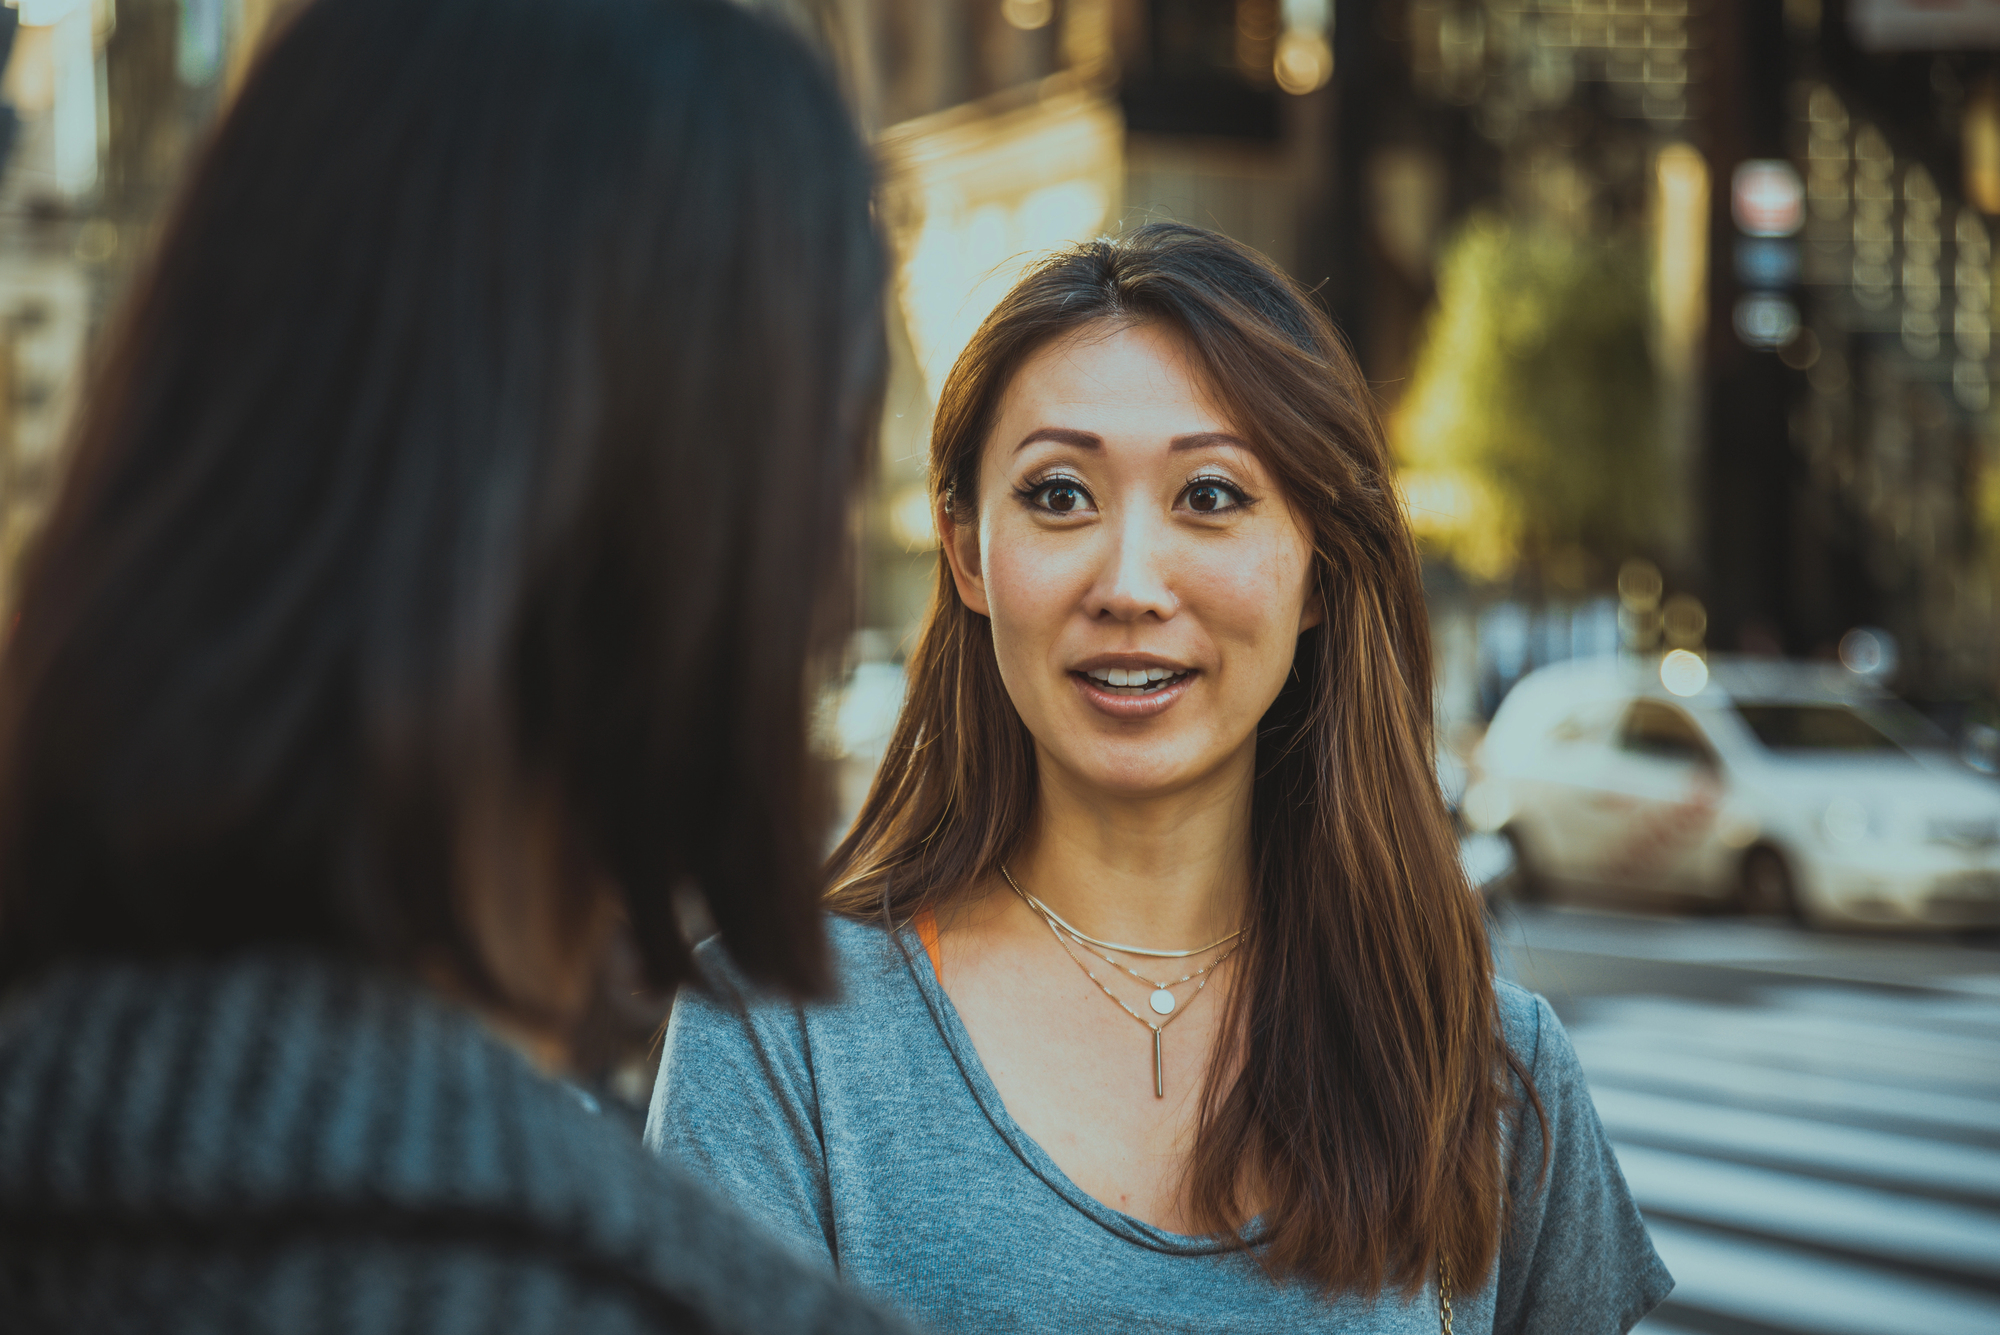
x: 287, y: 1144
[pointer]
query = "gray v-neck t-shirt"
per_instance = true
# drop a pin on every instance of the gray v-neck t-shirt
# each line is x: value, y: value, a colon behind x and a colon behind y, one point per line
x: 866, y: 1132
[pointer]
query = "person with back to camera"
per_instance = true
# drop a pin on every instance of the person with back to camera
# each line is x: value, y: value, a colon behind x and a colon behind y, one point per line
x: 453, y: 521
x: 1166, y: 1005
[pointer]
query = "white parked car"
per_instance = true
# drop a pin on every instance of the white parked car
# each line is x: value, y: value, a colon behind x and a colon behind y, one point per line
x: 1762, y: 784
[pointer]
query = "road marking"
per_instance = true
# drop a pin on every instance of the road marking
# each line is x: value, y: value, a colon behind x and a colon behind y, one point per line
x: 1789, y: 1290
x: 1864, y: 1220
x: 1695, y: 1074
x: 1832, y: 1045
x: 1736, y: 1129
x: 1798, y: 1143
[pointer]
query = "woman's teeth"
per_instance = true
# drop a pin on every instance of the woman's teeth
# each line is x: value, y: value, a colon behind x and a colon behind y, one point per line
x: 1144, y: 678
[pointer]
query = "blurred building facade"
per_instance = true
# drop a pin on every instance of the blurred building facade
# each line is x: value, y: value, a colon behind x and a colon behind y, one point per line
x: 1528, y: 216
x: 1523, y: 213
x: 1819, y: 446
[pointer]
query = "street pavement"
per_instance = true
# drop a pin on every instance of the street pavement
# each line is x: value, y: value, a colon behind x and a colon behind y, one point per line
x: 1810, y: 1122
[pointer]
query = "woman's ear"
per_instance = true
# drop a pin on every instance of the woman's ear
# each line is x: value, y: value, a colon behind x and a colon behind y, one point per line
x: 961, y: 551
x: 1312, y: 613
x: 1313, y: 610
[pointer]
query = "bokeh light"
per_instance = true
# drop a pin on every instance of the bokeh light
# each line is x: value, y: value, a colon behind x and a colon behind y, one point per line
x: 1683, y: 672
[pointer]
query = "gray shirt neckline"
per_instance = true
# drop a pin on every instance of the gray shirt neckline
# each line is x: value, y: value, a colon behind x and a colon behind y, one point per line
x: 866, y: 1132
x: 964, y: 1055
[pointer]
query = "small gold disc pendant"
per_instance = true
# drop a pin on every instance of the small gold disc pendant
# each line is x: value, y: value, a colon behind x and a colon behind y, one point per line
x: 1162, y: 1001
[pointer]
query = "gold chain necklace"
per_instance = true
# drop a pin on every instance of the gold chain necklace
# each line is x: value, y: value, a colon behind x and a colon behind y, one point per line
x: 1056, y: 918
x: 1167, y: 1009
x: 1163, y: 1000
x: 1168, y: 1013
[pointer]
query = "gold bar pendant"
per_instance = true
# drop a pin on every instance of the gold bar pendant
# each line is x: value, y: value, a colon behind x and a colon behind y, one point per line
x: 1159, y: 1078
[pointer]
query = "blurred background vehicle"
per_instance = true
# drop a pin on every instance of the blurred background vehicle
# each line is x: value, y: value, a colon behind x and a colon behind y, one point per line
x: 1681, y: 317
x: 1749, y: 784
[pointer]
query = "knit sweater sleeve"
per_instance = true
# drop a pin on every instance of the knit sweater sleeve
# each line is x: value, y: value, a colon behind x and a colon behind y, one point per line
x: 286, y: 1142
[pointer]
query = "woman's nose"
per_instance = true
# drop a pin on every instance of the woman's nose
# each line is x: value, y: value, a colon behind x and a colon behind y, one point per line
x: 1132, y: 582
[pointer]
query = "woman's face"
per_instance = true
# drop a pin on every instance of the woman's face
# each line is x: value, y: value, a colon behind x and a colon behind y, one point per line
x: 1127, y: 534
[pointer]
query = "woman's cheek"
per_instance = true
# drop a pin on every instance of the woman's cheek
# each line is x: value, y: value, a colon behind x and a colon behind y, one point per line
x: 1249, y: 594
x: 1027, y: 600
x: 1009, y: 581
x: 1029, y: 586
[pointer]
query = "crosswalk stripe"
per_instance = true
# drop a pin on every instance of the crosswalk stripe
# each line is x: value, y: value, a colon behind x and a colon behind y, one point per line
x: 1790, y: 1291
x: 1617, y: 1060
x: 1791, y: 1142
x: 1967, y: 1017
x: 1803, y: 1209
x: 1805, y: 1043
x: 1827, y: 1161
x: 1885, y: 1017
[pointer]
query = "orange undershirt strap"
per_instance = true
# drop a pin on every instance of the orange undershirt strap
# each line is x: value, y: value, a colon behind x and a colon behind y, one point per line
x: 926, y: 925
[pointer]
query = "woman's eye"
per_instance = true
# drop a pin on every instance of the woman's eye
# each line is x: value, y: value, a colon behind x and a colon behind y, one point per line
x: 1062, y: 498
x: 1209, y: 496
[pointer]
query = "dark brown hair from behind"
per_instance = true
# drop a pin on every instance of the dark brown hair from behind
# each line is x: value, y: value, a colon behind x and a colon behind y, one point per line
x: 1366, y: 1116
x: 484, y: 432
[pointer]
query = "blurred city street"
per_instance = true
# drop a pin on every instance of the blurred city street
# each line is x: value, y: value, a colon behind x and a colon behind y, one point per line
x: 1680, y: 321
x: 1810, y: 1121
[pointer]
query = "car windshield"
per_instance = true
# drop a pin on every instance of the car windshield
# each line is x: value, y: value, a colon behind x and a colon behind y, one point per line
x: 1833, y: 727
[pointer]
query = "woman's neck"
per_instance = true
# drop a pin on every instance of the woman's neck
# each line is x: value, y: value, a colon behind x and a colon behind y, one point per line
x: 1168, y: 871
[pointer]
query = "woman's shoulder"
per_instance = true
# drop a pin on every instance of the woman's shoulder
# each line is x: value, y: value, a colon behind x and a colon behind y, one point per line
x: 1529, y: 1027
x: 433, y: 1120
x: 869, y: 962
x: 737, y: 1057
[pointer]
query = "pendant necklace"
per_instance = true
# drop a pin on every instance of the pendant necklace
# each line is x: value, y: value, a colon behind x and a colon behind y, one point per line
x: 1162, y: 1001
x: 1056, y: 918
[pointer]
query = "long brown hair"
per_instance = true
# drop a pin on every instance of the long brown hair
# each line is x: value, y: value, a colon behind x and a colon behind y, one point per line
x: 488, y: 393
x: 1366, y: 1113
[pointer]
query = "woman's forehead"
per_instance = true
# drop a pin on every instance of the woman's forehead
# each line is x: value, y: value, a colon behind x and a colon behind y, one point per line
x: 1113, y: 379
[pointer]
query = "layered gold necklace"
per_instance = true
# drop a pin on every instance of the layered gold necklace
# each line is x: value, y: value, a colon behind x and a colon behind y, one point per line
x: 1162, y: 1002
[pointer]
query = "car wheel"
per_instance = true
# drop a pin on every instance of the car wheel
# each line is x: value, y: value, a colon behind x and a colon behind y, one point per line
x: 1767, y: 885
x: 1525, y: 884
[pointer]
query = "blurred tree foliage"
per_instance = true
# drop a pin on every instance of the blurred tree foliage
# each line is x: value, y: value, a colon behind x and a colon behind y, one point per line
x: 1529, y: 433
x: 1986, y: 493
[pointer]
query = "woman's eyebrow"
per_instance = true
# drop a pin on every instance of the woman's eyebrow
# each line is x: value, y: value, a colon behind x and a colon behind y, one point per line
x: 1062, y: 435
x: 1201, y: 440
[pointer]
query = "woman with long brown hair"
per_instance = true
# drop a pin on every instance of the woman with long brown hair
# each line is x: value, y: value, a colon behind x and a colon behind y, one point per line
x: 1166, y: 1004
x: 499, y: 371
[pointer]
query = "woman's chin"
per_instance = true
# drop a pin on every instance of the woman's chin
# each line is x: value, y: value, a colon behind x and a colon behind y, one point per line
x: 1137, y: 773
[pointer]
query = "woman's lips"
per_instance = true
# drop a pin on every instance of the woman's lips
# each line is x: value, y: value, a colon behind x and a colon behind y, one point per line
x: 1119, y: 705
